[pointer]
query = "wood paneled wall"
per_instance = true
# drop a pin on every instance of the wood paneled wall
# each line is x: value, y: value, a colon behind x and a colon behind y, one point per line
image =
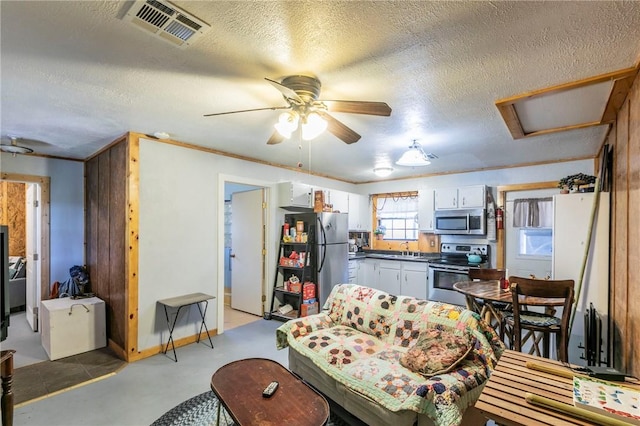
x: 625, y: 233
x: 13, y: 214
x: 106, y: 235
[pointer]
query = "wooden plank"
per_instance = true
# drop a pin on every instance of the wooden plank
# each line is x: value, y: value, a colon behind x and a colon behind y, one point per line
x: 633, y: 226
x: 620, y: 233
x: 91, y: 226
x: 117, y: 251
x: 132, y: 232
x: 104, y: 167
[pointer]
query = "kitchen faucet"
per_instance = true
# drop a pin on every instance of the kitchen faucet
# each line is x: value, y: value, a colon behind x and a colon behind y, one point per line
x: 406, y: 245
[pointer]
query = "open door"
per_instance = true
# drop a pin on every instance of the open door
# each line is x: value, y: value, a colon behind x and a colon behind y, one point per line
x: 247, y: 258
x: 33, y: 258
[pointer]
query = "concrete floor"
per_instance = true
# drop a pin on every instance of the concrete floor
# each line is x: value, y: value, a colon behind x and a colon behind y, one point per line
x: 144, y: 390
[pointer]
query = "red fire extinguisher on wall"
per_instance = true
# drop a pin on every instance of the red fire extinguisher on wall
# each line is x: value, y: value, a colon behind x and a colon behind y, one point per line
x: 499, y: 218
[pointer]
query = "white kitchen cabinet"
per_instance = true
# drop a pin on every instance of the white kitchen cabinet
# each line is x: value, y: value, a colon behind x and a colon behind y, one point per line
x: 72, y: 326
x: 465, y: 197
x: 368, y: 273
x: 446, y: 198
x: 359, y: 213
x: 425, y: 209
x: 414, y: 279
x: 389, y: 276
x: 338, y: 199
x: 353, y: 271
x: 472, y: 197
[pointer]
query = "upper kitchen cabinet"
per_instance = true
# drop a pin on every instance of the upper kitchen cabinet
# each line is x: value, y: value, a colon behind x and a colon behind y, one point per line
x: 359, y: 213
x: 466, y: 197
x: 338, y: 199
x: 425, y: 209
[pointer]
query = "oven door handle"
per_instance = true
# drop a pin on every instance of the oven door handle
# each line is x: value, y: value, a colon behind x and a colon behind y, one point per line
x: 452, y: 269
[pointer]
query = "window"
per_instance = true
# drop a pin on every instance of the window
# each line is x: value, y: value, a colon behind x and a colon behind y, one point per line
x: 397, y: 213
x: 536, y: 242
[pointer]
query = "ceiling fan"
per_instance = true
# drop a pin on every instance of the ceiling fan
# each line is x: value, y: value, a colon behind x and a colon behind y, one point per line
x: 301, y: 92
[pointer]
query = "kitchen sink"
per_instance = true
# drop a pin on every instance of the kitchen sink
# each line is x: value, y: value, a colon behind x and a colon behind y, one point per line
x: 394, y: 256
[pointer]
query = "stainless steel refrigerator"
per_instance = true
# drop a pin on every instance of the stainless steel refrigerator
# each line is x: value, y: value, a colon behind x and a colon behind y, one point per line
x: 331, y: 231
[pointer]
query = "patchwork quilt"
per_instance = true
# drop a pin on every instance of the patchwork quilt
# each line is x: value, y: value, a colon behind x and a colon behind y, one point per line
x: 361, y: 334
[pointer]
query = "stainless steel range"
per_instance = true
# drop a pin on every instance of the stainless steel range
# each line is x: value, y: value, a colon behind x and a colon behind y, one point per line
x: 453, y: 266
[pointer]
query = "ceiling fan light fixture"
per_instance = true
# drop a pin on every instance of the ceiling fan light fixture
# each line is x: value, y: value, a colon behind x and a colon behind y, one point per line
x: 14, y: 148
x: 383, y: 171
x: 287, y: 123
x: 414, y: 157
x: 312, y: 126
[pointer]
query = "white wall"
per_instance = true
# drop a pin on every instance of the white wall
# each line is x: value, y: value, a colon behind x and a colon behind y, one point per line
x: 67, y: 207
x: 182, y: 229
x: 491, y: 178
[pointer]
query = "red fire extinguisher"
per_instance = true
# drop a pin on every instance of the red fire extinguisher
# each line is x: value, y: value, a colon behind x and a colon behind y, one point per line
x: 499, y: 218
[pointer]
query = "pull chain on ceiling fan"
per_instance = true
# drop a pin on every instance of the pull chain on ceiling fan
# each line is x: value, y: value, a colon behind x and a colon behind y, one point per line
x: 301, y: 92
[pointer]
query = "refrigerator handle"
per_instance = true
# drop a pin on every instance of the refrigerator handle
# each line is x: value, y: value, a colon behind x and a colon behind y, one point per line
x: 323, y: 242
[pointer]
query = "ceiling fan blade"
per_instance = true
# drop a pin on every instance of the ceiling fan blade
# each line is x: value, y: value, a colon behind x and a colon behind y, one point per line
x: 340, y: 130
x: 359, y: 107
x: 246, y: 110
x: 275, y: 138
x: 288, y: 93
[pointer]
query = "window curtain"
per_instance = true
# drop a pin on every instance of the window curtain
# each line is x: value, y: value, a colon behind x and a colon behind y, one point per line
x: 533, y: 213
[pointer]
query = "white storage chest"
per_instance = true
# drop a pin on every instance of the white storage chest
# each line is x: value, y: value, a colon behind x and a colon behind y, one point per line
x: 72, y: 326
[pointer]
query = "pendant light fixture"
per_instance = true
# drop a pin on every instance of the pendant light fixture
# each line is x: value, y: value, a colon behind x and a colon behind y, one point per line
x: 14, y: 148
x: 414, y: 156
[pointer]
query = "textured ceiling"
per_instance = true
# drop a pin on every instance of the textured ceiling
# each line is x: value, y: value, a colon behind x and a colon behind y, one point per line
x: 75, y: 76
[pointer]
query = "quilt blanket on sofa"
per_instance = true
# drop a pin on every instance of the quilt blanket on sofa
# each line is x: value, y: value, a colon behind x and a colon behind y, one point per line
x: 361, y: 334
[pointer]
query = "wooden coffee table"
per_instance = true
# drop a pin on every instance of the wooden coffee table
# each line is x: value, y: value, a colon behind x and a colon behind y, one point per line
x: 239, y: 385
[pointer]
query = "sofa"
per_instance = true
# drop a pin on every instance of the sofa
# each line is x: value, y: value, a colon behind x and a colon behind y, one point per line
x: 356, y: 352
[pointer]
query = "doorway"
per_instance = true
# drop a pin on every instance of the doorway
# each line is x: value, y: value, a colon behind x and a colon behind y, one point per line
x: 520, y: 258
x: 36, y: 236
x: 243, y: 254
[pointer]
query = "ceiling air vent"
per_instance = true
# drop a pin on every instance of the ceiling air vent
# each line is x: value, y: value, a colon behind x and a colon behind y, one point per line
x: 166, y: 21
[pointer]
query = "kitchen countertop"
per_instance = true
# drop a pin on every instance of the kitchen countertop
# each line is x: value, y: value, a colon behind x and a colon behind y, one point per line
x: 418, y: 257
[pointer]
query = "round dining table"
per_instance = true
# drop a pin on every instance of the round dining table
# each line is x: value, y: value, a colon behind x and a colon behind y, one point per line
x: 481, y: 297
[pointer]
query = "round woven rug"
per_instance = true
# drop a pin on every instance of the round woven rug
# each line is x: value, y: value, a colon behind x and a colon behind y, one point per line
x: 202, y: 410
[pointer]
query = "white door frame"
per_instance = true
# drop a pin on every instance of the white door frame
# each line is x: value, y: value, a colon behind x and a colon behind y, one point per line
x: 45, y: 204
x: 222, y: 179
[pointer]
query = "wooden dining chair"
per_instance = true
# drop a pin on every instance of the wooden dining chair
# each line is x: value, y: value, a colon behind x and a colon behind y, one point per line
x: 486, y: 274
x: 530, y: 291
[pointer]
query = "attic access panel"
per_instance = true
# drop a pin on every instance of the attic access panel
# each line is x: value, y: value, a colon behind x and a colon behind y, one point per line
x: 166, y: 21
x: 591, y: 102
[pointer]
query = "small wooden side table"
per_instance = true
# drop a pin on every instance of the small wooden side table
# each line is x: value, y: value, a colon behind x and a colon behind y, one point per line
x: 239, y: 385
x: 7, y: 383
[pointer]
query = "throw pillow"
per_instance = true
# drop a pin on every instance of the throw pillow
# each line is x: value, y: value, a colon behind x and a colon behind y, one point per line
x: 436, y: 352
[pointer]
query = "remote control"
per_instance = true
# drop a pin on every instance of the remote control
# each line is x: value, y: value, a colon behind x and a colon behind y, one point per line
x: 270, y: 390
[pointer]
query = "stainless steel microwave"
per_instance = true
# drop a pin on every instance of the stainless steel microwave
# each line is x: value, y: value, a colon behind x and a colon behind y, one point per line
x: 461, y: 221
